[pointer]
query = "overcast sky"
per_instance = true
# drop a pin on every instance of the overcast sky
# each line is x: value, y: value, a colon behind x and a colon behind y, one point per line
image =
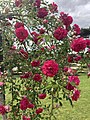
x: 78, y: 9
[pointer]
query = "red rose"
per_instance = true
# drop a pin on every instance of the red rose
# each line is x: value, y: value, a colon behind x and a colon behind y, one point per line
x: 25, y: 118
x: 21, y: 33
x: 35, y: 63
x: 39, y: 110
x: 42, y: 31
x: 53, y: 7
x: 74, y: 79
x: 26, y: 75
x: 70, y: 58
x: 42, y: 96
x: 50, y: 68
x: 60, y: 33
x: 37, y: 3
x: 88, y: 42
x: 24, y: 103
x: 69, y: 87
x: 30, y: 105
x: 18, y: 25
x: 37, y: 77
x: 78, y: 44
x: 77, y: 58
x: 76, y: 95
x: 23, y: 53
x: 67, y: 20
x: 76, y: 29
x: 18, y: 3
x: 42, y: 12
x: 2, y: 110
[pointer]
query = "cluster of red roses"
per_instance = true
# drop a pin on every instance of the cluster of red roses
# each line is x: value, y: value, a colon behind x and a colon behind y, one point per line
x: 41, y: 68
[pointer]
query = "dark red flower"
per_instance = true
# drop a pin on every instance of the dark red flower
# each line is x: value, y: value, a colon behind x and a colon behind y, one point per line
x: 76, y: 29
x: 67, y: 20
x: 26, y: 118
x: 37, y: 3
x: 78, y: 44
x: 37, y: 77
x: 26, y: 75
x: 53, y: 7
x: 35, y: 63
x: 23, y: 53
x: 2, y: 110
x: 18, y: 25
x: 50, y: 68
x: 88, y: 42
x: 77, y: 58
x: 42, y: 31
x: 76, y: 95
x: 70, y: 58
x: 39, y: 110
x: 60, y: 33
x: 18, y: 3
x: 24, y: 103
x: 42, y: 96
x: 30, y: 105
x: 69, y: 87
x: 42, y: 12
x: 21, y: 33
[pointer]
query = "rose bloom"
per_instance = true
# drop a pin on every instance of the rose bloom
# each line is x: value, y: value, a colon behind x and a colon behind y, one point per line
x: 2, y: 83
x: 50, y: 68
x: 26, y: 75
x: 76, y: 95
x: 18, y: 3
x: 78, y: 44
x: 2, y: 110
x: 76, y: 29
x: 88, y: 42
x: 42, y: 31
x: 69, y: 87
x: 25, y: 118
x: 18, y: 25
x: 70, y: 58
x: 74, y: 79
x: 37, y: 77
x: 42, y: 96
x: 39, y: 110
x: 36, y: 37
x: 23, y: 53
x: 67, y: 20
x: 35, y: 63
x: 21, y: 33
x: 37, y: 3
x: 24, y: 103
x: 30, y: 105
x: 53, y: 7
x: 60, y: 33
x: 77, y: 58
x: 42, y: 12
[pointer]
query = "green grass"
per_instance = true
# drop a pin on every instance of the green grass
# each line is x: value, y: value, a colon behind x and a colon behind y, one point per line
x: 81, y: 109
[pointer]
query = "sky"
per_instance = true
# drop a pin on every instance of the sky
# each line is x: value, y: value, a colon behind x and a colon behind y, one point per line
x: 78, y: 9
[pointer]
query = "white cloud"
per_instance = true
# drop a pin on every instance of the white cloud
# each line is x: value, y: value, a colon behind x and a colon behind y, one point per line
x: 79, y: 9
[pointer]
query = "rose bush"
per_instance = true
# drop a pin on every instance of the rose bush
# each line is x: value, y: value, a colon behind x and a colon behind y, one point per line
x: 42, y: 44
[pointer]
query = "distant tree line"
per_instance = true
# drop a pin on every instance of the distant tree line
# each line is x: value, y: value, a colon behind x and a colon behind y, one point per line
x: 85, y: 32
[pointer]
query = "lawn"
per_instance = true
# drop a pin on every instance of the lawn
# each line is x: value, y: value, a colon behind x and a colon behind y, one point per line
x: 81, y: 109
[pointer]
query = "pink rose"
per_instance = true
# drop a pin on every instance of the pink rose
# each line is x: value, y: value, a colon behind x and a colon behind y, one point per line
x: 76, y: 29
x: 74, y: 79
